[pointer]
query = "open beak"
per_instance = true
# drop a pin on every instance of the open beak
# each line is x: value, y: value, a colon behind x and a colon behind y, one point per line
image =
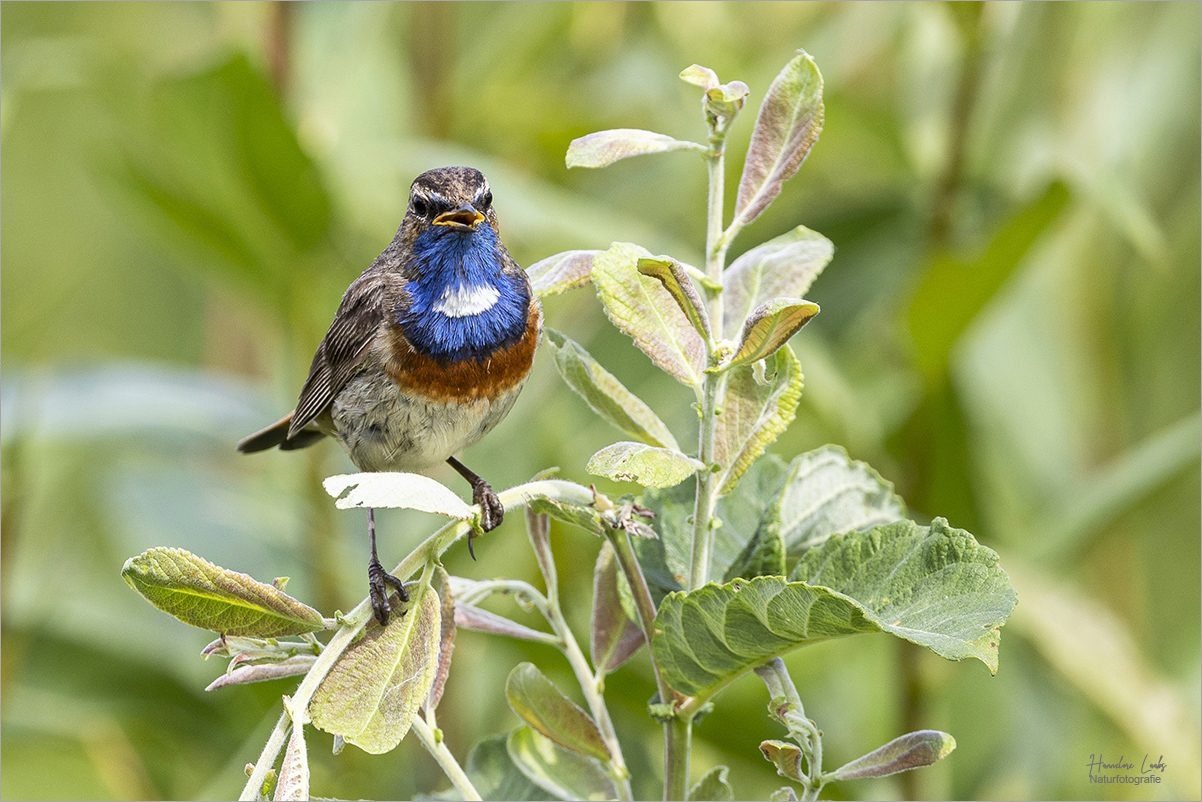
x: 465, y: 218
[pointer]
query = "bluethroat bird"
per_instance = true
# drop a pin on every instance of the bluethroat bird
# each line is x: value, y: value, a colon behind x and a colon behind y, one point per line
x: 427, y: 351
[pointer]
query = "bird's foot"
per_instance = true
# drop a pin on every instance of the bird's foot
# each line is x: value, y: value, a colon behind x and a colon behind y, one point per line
x: 378, y: 581
x: 492, y: 511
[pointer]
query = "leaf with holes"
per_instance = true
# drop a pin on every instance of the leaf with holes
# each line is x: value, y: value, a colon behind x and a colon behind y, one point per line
x: 373, y: 692
x: 787, y: 126
x: 934, y: 586
x: 643, y: 310
x: 783, y: 267
x: 606, y: 147
x: 605, y: 394
x: 650, y: 467
x: 214, y: 598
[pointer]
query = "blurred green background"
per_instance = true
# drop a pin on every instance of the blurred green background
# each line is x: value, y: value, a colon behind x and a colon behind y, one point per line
x: 1010, y: 333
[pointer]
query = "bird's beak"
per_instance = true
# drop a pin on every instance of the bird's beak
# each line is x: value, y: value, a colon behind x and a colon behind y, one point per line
x: 464, y: 218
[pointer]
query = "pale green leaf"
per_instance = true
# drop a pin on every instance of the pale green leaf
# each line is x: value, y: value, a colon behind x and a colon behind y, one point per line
x: 446, y: 636
x: 785, y: 756
x: 783, y: 267
x: 932, y: 586
x: 294, y: 769
x: 540, y: 704
x: 753, y: 415
x: 605, y: 394
x: 410, y: 491
x: 214, y: 598
x: 262, y: 672
x: 372, y: 694
x: 565, y: 774
x: 713, y: 787
x: 615, y: 635
x: 647, y: 465
x: 769, y: 327
x: 587, y: 518
x: 700, y: 76
x: 603, y: 148
x: 826, y: 492
x: 495, y: 776
x: 785, y: 794
x: 787, y: 126
x: 642, y: 309
x: 910, y: 751
x: 477, y: 619
x: 561, y: 272
x: 672, y: 275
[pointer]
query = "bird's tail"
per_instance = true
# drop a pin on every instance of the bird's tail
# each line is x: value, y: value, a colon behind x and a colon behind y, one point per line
x: 277, y: 435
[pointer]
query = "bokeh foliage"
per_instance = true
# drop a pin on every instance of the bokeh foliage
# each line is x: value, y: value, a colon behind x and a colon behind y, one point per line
x: 1010, y: 333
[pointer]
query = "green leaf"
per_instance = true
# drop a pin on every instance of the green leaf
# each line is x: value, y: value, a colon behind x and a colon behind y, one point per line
x: 671, y: 274
x: 495, y: 776
x: 262, y: 672
x: 642, y: 309
x: 372, y: 694
x: 769, y: 327
x: 826, y: 492
x: 647, y: 465
x: 713, y: 787
x: 410, y: 491
x: 606, y: 147
x: 932, y: 586
x: 605, y: 394
x: 754, y: 413
x: 587, y: 518
x: 700, y: 76
x: 540, y: 704
x: 785, y: 794
x: 785, y: 756
x: 746, y: 510
x: 785, y: 266
x: 210, y: 597
x: 786, y: 128
x: 561, y: 272
x: 764, y: 555
x: 446, y: 636
x: 911, y: 751
x: 565, y: 774
x: 615, y: 636
x: 294, y: 769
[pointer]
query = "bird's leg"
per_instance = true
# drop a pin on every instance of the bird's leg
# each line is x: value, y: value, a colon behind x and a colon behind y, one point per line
x: 492, y: 511
x: 378, y: 579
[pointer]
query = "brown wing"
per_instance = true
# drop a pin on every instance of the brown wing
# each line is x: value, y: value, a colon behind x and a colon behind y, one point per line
x: 341, y: 350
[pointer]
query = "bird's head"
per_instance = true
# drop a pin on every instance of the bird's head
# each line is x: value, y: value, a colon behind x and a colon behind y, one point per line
x: 452, y: 199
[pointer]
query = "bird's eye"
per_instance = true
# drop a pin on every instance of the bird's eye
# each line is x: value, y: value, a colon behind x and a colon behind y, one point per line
x: 420, y: 207
x: 486, y: 201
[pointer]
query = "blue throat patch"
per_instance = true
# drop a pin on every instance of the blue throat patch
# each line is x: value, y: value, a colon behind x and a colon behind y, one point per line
x: 459, y: 260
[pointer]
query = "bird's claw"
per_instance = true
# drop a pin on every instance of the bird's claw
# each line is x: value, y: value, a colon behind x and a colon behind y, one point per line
x: 378, y: 581
x: 492, y: 511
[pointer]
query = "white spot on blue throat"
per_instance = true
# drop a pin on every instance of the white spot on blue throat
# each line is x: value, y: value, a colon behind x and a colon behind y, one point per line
x: 464, y: 300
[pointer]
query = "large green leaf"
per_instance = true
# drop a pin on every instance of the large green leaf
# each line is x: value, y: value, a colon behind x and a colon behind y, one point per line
x: 786, y: 128
x: 649, y: 466
x: 542, y: 706
x: 934, y: 586
x: 783, y: 267
x: 565, y: 774
x: 561, y: 272
x: 211, y: 597
x: 641, y: 308
x: 372, y: 694
x: 754, y: 412
x: 606, y: 147
x: 605, y: 394
x: 826, y: 492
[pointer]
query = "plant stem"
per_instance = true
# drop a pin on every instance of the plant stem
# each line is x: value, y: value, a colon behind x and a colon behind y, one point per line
x: 275, y: 742
x: 715, y: 243
x: 677, y: 744
x: 437, y: 748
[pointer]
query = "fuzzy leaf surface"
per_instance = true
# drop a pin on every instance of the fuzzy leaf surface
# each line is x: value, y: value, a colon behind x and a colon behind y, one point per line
x: 934, y: 586
x: 210, y: 597
x: 827, y: 492
x: 294, y: 769
x: 910, y: 751
x: 672, y: 275
x: 477, y: 619
x: 541, y: 705
x: 647, y: 465
x: 565, y: 774
x: 410, y: 491
x: 769, y: 327
x: 753, y: 415
x: 607, y: 396
x: 783, y: 267
x: 787, y: 126
x: 643, y: 310
x: 446, y: 636
x: 561, y: 272
x: 603, y: 148
x: 372, y: 694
